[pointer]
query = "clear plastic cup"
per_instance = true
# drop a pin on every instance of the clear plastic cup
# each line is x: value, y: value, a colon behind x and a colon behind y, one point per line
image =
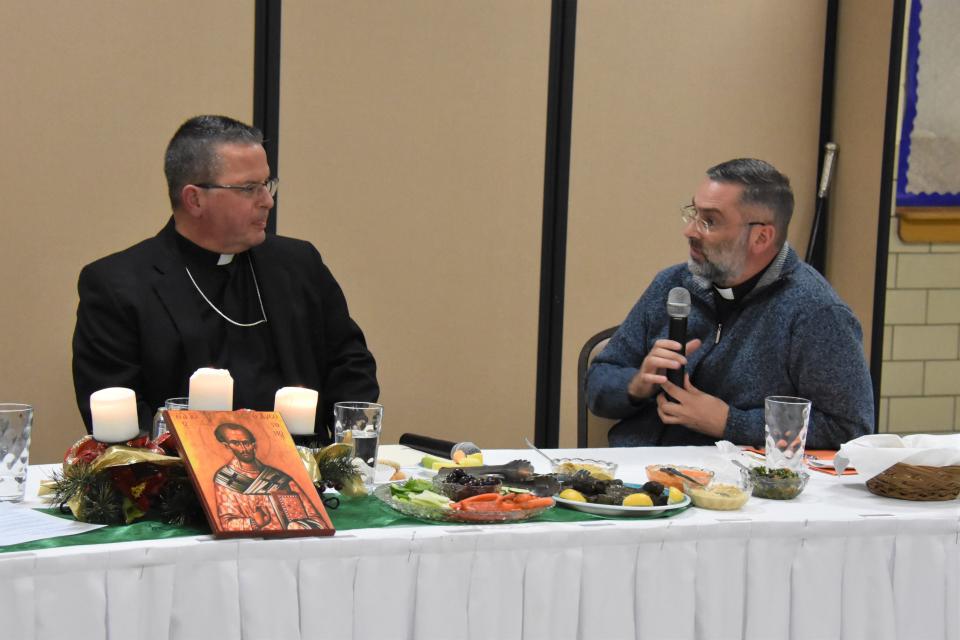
x: 16, y: 420
x: 787, y: 419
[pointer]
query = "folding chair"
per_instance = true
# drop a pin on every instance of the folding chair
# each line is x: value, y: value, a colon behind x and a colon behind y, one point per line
x: 591, y: 429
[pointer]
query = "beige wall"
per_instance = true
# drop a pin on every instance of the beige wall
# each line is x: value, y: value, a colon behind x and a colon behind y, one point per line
x: 863, y: 59
x: 91, y: 93
x: 412, y: 149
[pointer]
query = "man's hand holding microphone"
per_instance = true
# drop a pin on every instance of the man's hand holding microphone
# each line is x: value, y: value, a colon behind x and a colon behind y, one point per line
x: 664, y: 367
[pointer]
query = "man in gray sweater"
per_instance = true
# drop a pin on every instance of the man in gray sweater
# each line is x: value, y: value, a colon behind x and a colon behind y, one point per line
x: 761, y: 323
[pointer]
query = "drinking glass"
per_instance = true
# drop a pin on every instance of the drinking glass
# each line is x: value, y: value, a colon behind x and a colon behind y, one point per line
x: 15, y: 423
x: 177, y: 404
x: 786, y: 419
x: 358, y: 423
x: 172, y: 404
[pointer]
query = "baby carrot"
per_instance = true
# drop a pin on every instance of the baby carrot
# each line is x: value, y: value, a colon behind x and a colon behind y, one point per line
x: 536, y: 503
x: 506, y: 503
x: 486, y: 507
x: 483, y: 497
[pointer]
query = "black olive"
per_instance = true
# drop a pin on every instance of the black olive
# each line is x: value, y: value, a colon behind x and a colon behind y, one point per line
x: 653, y: 488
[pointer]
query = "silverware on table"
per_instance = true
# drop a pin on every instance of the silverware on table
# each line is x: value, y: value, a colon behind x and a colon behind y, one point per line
x: 680, y: 474
x: 534, y: 447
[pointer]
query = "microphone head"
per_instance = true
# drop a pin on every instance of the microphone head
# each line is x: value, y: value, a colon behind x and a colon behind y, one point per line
x: 678, y: 303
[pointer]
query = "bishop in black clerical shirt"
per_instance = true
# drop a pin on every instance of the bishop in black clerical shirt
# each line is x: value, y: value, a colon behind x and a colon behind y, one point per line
x: 214, y: 289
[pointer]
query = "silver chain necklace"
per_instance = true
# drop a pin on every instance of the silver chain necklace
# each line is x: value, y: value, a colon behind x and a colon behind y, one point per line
x: 222, y: 314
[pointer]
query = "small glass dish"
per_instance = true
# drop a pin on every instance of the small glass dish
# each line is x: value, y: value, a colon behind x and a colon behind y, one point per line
x: 777, y: 484
x: 725, y: 492
x: 457, y: 491
x: 655, y: 473
x: 598, y: 469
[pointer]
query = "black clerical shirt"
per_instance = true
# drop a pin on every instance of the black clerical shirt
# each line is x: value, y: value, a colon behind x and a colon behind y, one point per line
x: 247, y: 352
x: 727, y: 304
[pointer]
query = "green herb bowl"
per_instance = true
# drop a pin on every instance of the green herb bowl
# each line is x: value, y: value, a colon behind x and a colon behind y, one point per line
x: 778, y: 484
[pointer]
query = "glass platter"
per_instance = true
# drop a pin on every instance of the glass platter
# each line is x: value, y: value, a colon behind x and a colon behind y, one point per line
x: 435, y: 515
x: 619, y: 511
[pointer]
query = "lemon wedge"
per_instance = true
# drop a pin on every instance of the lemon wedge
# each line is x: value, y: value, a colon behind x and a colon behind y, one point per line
x: 573, y: 495
x: 638, y: 500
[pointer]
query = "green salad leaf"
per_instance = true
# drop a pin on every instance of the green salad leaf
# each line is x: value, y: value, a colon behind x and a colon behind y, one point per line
x: 430, y: 499
x: 412, y: 486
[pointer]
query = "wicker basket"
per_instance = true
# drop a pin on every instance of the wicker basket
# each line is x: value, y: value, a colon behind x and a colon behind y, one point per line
x: 917, y: 482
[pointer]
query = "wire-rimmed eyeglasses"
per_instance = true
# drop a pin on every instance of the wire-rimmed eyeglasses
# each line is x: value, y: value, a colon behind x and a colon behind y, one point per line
x: 690, y: 214
x: 249, y: 189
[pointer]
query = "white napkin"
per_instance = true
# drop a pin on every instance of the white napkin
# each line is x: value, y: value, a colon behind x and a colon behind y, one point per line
x: 873, y: 454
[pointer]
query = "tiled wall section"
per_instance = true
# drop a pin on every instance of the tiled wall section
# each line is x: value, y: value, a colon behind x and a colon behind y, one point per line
x: 920, y: 382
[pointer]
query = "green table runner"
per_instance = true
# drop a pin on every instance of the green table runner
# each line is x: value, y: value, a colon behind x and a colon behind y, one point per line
x: 143, y: 530
x: 353, y: 513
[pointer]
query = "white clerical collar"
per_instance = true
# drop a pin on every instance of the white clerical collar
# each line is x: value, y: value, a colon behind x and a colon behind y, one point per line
x: 726, y: 294
x: 225, y: 258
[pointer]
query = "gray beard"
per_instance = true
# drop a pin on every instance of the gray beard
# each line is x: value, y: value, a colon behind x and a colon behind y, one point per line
x: 734, y: 257
x: 710, y: 271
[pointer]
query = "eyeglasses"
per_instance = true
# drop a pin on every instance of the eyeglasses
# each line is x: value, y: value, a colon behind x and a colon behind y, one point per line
x: 250, y: 189
x: 690, y: 214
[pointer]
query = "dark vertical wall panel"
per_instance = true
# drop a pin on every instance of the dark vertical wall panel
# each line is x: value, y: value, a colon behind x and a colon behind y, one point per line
x: 556, y: 183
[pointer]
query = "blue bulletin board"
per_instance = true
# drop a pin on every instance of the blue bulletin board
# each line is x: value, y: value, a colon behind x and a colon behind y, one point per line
x: 929, y: 164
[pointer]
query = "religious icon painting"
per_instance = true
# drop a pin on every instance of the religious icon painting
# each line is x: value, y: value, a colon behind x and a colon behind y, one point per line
x: 248, y: 475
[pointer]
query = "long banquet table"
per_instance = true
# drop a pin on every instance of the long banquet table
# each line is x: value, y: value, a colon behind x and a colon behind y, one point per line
x: 837, y: 562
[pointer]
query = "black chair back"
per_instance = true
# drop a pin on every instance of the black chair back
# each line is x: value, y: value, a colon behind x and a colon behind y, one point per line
x: 587, y: 421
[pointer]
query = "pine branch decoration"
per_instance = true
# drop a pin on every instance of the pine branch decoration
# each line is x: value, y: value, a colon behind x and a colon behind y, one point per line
x: 75, y: 481
x: 177, y: 503
x: 96, y: 500
x: 102, y: 504
x: 337, y: 471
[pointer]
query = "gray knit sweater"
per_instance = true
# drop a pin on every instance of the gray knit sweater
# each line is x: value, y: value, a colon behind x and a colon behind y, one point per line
x: 792, y: 335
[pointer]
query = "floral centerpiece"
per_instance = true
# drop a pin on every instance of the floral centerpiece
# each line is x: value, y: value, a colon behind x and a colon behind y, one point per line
x: 121, y: 483
x: 145, y: 478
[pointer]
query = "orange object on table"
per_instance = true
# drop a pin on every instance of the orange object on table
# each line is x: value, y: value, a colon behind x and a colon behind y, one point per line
x: 654, y: 474
x: 823, y: 455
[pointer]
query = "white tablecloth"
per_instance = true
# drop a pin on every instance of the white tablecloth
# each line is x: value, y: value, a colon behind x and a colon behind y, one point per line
x: 837, y: 562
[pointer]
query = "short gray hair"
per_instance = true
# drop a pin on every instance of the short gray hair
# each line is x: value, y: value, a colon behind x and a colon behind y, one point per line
x: 191, y: 156
x: 762, y: 185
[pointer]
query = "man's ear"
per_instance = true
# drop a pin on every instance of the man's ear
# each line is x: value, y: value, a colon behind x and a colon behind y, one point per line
x: 765, y: 237
x: 191, y: 200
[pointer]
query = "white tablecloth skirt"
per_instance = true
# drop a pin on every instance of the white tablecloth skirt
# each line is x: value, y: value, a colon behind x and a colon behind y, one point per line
x: 871, y: 579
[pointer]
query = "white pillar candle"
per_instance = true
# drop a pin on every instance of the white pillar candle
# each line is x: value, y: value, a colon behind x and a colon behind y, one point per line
x: 298, y: 408
x: 114, y: 412
x: 211, y: 390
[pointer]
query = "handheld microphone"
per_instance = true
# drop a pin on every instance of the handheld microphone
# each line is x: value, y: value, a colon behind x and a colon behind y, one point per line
x: 678, y: 308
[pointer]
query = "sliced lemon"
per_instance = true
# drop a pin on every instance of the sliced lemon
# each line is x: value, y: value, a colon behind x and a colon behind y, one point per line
x: 572, y: 494
x: 638, y: 500
x: 675, y: 496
